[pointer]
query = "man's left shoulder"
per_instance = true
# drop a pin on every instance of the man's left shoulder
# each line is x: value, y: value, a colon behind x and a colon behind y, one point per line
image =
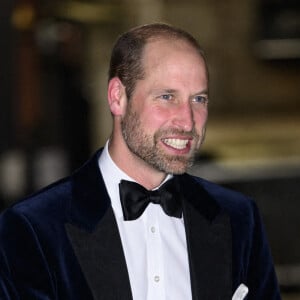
x: 231, y: 201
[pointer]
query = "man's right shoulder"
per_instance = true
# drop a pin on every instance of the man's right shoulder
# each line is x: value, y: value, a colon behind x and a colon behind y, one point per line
x: 45, y: 202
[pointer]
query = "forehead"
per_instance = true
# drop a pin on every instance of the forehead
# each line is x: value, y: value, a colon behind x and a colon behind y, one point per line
x: 169, y: 55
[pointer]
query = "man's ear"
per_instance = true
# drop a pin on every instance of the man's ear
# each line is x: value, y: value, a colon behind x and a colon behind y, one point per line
x: 116, y: 94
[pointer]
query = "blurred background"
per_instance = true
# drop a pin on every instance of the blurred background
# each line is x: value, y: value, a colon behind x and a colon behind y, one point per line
x: 53, y: 75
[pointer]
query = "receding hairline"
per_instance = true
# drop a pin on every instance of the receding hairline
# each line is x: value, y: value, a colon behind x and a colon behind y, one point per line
x: 156, y: 31
x: 160, y: 31
x: 176, y: 39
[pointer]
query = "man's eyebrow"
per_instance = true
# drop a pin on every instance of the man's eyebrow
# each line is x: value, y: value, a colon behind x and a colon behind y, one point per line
x: 202, y: 92
x: 174, y: 91
x: 165, y: 90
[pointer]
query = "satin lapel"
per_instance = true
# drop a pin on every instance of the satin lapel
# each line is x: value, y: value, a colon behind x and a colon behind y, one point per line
x: 101, y: 258
x: 94, y: 235
x: 208, y: 232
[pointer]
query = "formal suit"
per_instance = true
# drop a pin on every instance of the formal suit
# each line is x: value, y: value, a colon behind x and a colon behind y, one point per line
x: 63, y: 243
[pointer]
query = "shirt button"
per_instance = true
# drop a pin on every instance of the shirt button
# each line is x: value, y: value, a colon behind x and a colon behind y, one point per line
x: 156, y: 278
x: 153, y: 229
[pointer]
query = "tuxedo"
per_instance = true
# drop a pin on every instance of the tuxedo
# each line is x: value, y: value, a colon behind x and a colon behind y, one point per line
x: 63, y: 243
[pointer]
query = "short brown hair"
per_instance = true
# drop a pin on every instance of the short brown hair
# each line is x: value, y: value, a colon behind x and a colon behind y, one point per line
x: 126, y: 58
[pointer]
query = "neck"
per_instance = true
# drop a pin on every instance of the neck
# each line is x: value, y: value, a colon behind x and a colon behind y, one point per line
x: 134, y: 166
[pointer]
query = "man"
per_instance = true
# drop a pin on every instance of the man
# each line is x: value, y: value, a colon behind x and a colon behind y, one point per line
x: 98, y: 235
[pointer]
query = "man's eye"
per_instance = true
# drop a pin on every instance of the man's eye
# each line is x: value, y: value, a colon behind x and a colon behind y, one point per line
x: 166, y: 96
x: 201, y: 99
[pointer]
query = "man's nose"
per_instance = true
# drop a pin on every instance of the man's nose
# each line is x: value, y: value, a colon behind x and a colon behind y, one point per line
x: 184, y: 117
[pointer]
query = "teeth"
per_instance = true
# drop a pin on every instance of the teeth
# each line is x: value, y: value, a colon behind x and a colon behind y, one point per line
x: 176, y: 143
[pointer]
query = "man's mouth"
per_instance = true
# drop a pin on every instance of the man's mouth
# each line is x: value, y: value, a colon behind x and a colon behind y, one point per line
x: 176, y: 143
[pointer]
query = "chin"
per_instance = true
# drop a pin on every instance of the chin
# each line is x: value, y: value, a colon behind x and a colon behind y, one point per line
x: 175, y: 167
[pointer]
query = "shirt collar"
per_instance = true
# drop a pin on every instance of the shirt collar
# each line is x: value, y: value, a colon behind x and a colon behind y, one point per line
x: 112, y: 175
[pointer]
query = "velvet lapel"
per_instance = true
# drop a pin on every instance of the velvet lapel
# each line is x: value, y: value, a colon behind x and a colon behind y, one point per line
x: 208, y: 232
x: 93, y: 232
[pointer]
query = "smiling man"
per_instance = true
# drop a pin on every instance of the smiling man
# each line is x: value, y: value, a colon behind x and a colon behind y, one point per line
x: 131, y: 224
x: 160, y: 127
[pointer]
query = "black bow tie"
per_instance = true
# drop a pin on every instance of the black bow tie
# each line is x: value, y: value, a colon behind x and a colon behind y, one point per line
x: 135, y: 198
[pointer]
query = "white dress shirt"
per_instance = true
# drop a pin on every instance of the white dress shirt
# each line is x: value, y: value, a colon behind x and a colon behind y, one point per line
x: 154, y: 245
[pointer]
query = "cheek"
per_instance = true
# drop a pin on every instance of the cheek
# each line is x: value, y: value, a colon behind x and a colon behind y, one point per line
x: 155, y: 117
x: 200, y: 118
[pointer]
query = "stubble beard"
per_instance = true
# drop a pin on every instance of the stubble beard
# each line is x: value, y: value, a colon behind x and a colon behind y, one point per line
x: 146, y: 146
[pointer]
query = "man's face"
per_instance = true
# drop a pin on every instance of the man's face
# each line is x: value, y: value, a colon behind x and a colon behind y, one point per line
x: 164, y: 124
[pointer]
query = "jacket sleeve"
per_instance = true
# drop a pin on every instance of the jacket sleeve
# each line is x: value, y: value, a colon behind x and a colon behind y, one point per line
x: 24, y: 273
x: 261, y: 277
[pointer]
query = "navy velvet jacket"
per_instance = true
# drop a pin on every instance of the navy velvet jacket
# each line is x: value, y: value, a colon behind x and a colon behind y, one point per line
x: 63, y: 243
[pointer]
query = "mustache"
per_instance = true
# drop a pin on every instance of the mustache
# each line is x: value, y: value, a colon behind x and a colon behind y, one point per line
x: 173, y: 131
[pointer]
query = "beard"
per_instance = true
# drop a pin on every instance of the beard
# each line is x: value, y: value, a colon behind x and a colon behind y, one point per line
x: 146, y: 146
